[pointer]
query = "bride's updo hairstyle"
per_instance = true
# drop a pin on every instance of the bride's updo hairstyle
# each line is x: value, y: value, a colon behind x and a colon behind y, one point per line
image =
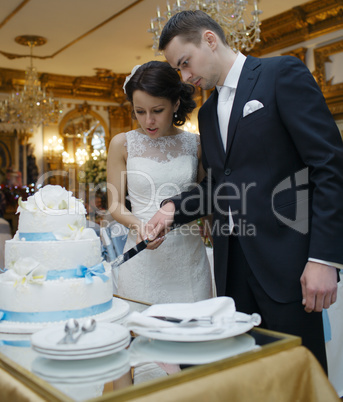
x: 159, y: 79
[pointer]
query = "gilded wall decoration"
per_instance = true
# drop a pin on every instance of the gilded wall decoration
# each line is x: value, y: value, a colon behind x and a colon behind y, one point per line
x: 82, y: 113
x: 120, y: 119
x: 106, y: 89
x: 333, y: 92
x: 300, y: 53
x: 301, y: 23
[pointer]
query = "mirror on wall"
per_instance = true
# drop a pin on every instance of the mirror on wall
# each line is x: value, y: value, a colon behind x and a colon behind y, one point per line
x: 85, y: 136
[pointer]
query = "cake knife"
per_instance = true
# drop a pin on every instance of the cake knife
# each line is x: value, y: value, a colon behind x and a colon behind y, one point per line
x: 130, y: 253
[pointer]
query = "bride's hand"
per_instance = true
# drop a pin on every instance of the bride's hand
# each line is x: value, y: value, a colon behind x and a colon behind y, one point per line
x: 160, y: 224
x: 152, y: 245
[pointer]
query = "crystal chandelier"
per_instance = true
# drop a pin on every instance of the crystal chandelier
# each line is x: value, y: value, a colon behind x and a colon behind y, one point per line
x: 31, y: 106
x: 231, y: 15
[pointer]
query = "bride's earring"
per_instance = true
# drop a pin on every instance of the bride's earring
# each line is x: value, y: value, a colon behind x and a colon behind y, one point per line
x: 175, y: 115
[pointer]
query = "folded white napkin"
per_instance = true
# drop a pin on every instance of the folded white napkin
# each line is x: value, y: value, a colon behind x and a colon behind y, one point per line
x: 216, y: 308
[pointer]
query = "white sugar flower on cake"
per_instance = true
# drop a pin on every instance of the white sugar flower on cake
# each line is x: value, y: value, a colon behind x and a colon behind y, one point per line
x: 24, y: 270
x: 52, y: 200
x: 50, y: 211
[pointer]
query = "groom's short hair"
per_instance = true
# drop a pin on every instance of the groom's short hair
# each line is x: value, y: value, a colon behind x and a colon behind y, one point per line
x: 189, y: 25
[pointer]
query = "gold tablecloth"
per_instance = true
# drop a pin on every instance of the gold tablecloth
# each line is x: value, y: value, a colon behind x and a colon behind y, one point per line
x: 288, y: 376
x: 13, y: 390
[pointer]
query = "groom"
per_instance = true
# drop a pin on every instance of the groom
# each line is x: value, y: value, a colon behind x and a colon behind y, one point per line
x: 274, y: 159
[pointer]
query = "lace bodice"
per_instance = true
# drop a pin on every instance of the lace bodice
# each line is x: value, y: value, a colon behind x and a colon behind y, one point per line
x: 178, y: 271
x: 159, y: 168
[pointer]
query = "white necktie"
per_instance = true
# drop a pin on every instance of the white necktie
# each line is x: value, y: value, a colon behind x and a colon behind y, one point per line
x: 225, y: 100
x: 224, y: 110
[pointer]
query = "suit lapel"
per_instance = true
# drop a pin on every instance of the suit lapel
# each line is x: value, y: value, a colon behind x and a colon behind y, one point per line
x: 246, y: 83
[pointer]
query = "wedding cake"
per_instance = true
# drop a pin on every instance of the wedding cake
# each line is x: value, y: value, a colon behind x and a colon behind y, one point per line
x: 53, y: 266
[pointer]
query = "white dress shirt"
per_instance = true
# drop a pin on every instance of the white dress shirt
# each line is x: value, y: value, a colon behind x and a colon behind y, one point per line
x: 224, y: 106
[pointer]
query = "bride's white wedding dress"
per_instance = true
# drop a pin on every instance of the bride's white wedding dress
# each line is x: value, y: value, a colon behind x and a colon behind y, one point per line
x: 179, y: 270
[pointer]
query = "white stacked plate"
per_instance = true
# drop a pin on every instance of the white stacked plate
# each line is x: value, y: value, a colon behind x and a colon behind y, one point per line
x: 91, y: 372
x: 239, y: 324
x: 144, y: 350
x: 106, y: 339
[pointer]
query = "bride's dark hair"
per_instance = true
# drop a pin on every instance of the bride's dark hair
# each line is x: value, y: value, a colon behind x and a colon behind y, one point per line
x: 158, y: 78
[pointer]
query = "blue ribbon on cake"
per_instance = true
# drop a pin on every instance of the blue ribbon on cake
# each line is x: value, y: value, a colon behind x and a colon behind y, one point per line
x: 49, y: 316
x: 80, y: 272
x: 20, y: 344
x: 43, y: 236
x: 87, y: 273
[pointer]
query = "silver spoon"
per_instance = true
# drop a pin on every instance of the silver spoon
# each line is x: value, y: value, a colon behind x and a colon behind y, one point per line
x: 87, y: 326
x: 70, y: 328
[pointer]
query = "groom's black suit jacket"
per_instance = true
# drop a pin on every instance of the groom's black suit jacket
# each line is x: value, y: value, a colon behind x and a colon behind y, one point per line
x: 283, y: 172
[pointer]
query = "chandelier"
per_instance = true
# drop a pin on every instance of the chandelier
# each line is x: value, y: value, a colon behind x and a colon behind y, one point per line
x: 231, y: 15
x: 31, y: 106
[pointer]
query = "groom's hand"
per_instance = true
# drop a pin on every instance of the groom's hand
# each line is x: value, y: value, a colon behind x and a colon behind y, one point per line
x: 161, y: 222
x: 319, y: 286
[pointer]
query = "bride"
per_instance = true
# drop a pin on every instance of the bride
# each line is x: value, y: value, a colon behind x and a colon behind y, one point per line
x: 150, y: 164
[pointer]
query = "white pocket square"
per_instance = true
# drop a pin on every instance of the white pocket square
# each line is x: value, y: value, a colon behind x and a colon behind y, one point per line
x: 251, y: 107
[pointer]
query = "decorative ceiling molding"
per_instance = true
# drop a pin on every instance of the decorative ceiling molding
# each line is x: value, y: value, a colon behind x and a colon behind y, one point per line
x: 299, y: 24
x: 13, y: 13
x: 13, y: 56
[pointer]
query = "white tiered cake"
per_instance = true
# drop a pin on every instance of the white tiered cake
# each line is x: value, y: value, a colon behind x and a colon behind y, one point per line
x: 53, y: 266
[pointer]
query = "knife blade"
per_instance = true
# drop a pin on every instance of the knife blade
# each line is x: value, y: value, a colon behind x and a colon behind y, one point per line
x: 130, y: 253
x: 179, y: 320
